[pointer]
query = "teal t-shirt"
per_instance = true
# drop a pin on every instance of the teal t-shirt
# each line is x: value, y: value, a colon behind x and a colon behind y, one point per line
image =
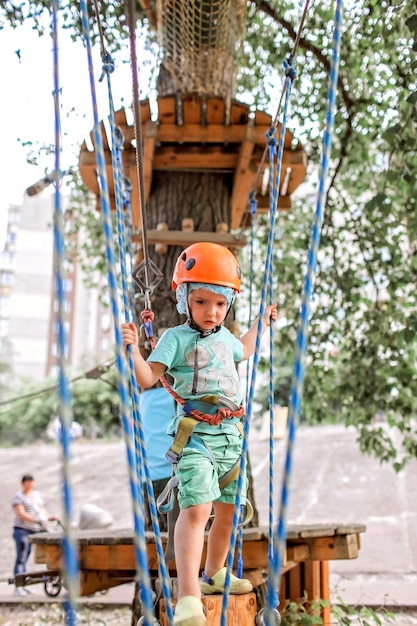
x: 205, y: 364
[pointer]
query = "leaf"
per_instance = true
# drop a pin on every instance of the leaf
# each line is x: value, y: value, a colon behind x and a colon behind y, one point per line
x: 412, y: 98
x: 411, y: 23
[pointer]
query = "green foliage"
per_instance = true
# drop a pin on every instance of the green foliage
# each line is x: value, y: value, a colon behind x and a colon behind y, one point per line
x: 303, y: 612
x: 308, y: 613
x: 361, y: 354
x: 95, y: 405
x: 361, y: 615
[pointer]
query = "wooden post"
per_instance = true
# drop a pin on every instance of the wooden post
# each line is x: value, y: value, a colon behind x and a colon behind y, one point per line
x: 325, y: 591
x: 161, y: 248
x: 241, y: 610
x: 187, y: 225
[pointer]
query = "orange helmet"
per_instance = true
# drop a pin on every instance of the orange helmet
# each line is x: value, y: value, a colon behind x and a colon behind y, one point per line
x: 209, y: 263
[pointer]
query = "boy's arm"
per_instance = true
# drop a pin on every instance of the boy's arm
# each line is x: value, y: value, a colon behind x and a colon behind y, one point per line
x: 249, y: 338
x: 147, y: 373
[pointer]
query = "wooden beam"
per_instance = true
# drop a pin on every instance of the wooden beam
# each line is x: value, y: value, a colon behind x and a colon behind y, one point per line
x: 213, y: 133
x: 244, y: 178
x: 149, y: 143
x: 215, y: 110
x: 149, y: 12
x: 334, y: 548
x: 167, y: 110
x: 92, y: 581
x: 191, y: 109
x: 298, y: 552
x: 185, y: 159
x: 184, y: 238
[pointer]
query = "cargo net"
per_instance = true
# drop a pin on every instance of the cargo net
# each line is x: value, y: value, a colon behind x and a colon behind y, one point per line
x: 200, y: 40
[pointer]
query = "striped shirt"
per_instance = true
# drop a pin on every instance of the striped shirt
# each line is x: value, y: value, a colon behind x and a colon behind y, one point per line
x: 33, y: 505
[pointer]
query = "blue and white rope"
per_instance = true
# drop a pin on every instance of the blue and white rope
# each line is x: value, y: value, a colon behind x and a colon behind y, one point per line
x: 70, y: 550
x: 136, y: 496
x: 246, y: 426
x: 274, y: 577
x: 139, y: 435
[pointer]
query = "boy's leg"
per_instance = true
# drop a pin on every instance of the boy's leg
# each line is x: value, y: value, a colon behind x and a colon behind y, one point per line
x: 189, y: 543
x: 218, y: 541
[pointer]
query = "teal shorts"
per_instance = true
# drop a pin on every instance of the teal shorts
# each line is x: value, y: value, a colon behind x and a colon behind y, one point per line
x: 198, y: 475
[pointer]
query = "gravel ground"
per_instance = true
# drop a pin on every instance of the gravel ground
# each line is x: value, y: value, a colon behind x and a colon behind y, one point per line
x: 53, y: 614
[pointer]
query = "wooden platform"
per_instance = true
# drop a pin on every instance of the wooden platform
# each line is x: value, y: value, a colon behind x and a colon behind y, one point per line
x: 107, y: 558
x: 193, y: 132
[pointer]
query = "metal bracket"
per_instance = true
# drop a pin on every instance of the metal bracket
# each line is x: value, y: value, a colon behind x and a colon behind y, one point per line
x: 145, y: 268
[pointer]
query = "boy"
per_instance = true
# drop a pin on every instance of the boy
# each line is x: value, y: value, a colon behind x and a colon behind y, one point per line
x: 201, y: 355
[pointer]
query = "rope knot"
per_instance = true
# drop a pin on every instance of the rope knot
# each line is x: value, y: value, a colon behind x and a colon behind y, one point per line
x: 119, y: 138
x: 253, y: 202
x: 270, y: 136
x: 108, y: 66
x: 289, y: 69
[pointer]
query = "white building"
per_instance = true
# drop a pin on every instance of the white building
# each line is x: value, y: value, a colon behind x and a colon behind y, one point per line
x: 27, y: 299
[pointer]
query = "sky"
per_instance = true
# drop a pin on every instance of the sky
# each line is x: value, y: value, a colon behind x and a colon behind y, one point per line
x: 27, y: 106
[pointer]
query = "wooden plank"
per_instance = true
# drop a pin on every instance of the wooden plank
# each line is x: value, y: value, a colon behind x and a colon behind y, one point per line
x: 334, y: 548
x: 191, y: 108
x: 298, y: 552
x: 167, y: 110
x: 239, y: 113
x: 168, y: 159
x: 125, y: 536
x: 149, y: 143
x: 94, y: 581
x: 215, y: 111
x: 107, y: 558
x: 284, y: 203
x: 298, y: 531
x: 214, y: 133
x: 149, y: 12
x: 145, y: 111
x: 53, y: 557
x: 317, y: 531
x: 186, y: 238
x: 120, y: 117
x: 192, y: 157
x: 244, y: 178
x: 105, y: 138
x: 262, y: 119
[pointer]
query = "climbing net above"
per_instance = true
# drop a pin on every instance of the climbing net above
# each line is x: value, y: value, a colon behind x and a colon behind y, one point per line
x: 200, y: 40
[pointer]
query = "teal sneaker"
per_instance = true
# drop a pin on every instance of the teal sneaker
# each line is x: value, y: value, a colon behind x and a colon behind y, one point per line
x: 215, y: 584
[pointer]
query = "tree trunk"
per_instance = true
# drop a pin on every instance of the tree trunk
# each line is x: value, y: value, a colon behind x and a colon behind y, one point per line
x: 203, y: 197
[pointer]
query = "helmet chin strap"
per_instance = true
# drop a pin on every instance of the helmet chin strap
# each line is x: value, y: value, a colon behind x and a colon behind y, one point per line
x: 191, y: 323
x: 203, y: 333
